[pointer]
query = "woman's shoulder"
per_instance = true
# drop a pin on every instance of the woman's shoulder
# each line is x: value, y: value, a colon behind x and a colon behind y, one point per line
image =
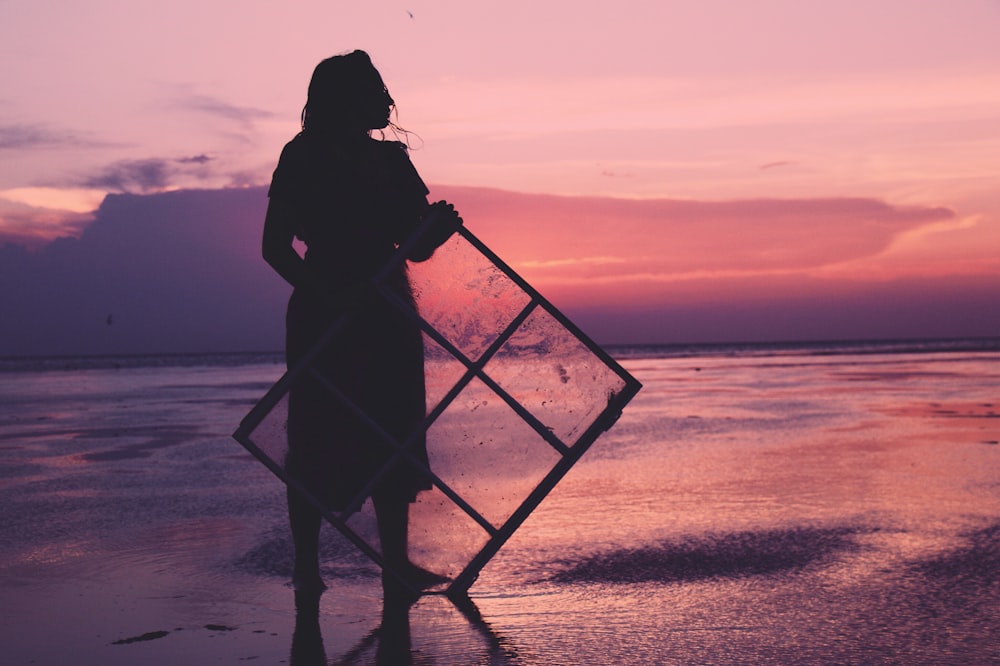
x: 395, y: 155
x: 392, y: 149
x: 297, y: 148
x: 396, y: 159
x: 292, y: 164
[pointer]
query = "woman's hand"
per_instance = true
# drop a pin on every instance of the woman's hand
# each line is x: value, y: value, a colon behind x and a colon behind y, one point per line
x: 442, y: 221
x: 446, y: 212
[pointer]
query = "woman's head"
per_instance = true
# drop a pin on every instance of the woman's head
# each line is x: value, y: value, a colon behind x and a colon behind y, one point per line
x: 346, y: 95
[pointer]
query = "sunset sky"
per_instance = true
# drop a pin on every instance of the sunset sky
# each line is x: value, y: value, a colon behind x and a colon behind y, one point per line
x: 665, y: 171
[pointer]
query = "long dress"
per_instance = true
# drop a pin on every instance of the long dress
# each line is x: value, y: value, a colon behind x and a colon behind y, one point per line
x: 353, y: 205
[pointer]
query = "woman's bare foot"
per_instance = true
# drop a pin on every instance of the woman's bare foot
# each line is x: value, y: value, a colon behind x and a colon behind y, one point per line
x: 308, y: 579
x: 416, y: 580
x: 421, y: 578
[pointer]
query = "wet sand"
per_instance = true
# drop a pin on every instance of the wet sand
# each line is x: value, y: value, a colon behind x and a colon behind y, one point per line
x: 787, y: 510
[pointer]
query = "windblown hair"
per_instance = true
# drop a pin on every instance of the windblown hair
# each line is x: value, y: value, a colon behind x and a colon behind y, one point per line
x: 336, y: 86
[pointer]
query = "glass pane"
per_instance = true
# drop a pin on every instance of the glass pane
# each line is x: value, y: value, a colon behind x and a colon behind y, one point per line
x: 271, y: 434
x: 443, y: 538
x: 556, y: 377
x: 487, y: 454
x: 465, y: 297
x: 441, y: 372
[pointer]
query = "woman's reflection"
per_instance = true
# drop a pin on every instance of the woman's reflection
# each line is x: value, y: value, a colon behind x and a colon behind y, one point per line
x: 390, y: 642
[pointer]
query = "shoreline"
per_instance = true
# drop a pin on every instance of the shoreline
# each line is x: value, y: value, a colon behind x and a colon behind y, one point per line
x: 865, y: 347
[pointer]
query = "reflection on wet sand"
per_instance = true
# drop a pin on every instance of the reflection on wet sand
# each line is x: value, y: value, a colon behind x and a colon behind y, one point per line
x: 307, y: 639
x: 766, y: 511
x: 469, y: 639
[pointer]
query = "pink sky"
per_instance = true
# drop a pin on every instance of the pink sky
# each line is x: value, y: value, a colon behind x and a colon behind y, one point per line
x: 677, y: 148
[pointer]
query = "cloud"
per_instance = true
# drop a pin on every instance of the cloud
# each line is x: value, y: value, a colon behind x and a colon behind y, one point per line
x: 769, y: 309
x: 33, y: 226
x: 212, y: 106
x: 774, y: 165
x: 27, y: 137
x: 181, y: 272
x: 145, y: 176
x: 555, y: 238
x: 195, y: 159
x: 178, y: 271
x: 764, y: 269
x: 576, y: 261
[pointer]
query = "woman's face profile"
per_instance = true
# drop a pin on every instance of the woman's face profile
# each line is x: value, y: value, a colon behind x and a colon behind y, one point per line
x: 374, y: 104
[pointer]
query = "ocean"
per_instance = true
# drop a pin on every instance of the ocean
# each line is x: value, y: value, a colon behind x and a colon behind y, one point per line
x: 788, y: 503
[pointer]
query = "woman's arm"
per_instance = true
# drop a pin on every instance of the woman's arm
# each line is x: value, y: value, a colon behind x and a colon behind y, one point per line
x: 276, y: 246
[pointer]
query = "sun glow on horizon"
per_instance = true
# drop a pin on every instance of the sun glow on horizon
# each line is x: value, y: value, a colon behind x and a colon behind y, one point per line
x: 73, y: 199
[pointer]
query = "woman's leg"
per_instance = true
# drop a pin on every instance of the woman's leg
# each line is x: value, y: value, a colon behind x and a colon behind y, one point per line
x: 305, y: 522
x: 393, y: 515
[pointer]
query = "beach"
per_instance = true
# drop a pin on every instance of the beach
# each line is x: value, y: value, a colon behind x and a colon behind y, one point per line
x: 770, y: 504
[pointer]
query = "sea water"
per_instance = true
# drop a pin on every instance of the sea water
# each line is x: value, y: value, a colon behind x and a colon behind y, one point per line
x: 803, y: 503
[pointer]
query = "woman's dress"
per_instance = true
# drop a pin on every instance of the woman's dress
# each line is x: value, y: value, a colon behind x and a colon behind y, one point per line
x: 353, y: 205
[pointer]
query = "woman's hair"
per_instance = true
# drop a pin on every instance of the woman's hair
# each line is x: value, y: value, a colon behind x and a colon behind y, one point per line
x: 338, y: 86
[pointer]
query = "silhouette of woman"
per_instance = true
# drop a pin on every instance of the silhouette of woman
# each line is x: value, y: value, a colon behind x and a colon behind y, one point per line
x: 352, y: 199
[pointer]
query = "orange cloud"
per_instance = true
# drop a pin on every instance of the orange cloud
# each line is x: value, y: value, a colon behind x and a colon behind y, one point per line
x: 758, y: 269
x: 632, y: 246
x: 34, y: 226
